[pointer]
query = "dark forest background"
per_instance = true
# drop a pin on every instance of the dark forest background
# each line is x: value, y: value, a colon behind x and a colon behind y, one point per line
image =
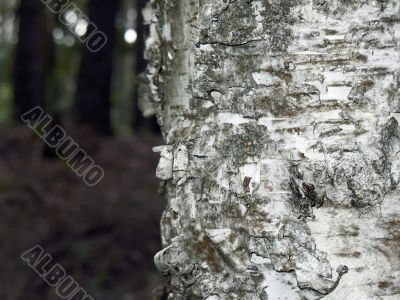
x: 104, y: 236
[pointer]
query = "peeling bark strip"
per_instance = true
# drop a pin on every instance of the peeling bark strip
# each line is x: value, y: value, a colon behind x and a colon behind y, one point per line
x: 282, y: 155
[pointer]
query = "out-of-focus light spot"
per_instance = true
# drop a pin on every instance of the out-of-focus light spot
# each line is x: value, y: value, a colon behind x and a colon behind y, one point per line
x: 58, y: 34
x: 130, y: 36
x: 131, y: 14
x: 69, y: 41
x: 81, y: 27
x: 71, y: 17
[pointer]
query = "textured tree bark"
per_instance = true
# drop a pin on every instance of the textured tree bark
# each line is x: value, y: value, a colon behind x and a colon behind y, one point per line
x: 141, y: 118
x: 282, y: 155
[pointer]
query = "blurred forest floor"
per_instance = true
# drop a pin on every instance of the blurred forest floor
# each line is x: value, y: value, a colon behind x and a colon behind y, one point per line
x: 105, y: 236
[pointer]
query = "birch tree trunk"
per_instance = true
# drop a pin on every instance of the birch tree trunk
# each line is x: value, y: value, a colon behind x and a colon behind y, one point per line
x: 282, y: 155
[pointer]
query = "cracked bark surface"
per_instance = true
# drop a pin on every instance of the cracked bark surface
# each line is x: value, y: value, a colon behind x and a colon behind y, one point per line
x: 282, y: 155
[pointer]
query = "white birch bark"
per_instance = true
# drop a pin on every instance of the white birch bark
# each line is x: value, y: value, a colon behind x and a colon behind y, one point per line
x: 282, y: 154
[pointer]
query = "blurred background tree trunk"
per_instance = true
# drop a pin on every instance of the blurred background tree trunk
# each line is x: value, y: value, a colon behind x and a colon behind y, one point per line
x: 33, y: 57
x: 94, y: 82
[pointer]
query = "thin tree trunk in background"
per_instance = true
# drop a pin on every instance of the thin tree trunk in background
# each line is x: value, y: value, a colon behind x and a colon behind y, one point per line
x: 30, y: 58
x: 139, y: 121
x: 282, y: 156
x: 94, y: 83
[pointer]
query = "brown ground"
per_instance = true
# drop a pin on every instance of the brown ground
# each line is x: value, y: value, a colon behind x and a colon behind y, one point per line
x: 105, y: 237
